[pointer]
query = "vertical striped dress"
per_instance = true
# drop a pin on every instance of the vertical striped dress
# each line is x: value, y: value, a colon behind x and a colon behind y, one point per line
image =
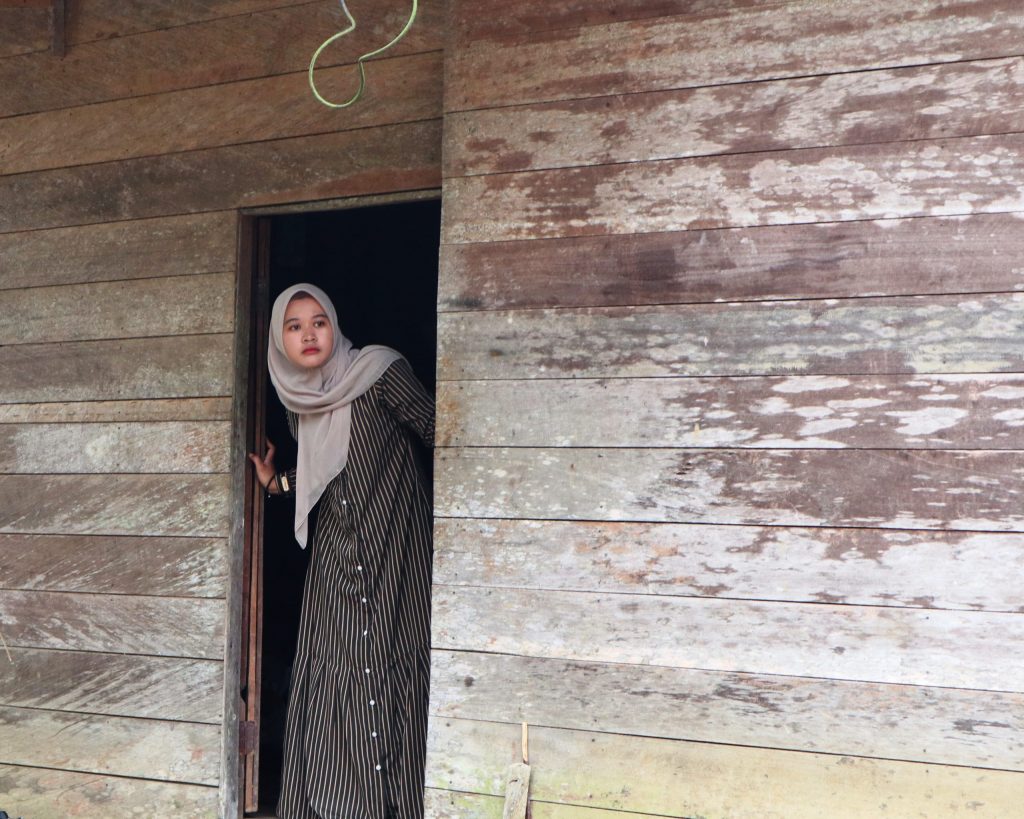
x: 357, y: 714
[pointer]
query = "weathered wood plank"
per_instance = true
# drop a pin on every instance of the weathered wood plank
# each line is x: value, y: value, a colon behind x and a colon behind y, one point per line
x: 23, y: 31
x: 440, y: 804
x: 154, y: 749
x: 42, y: 793
x: 935, y: 335
x: 163, y: 446
x: 245, y: 46
x: 349, y: 163
x: 681, y: 779
x: 146, y: 248
x: 958, y: 100
x: 175, y: 305
x: 185, y: 505
x: 869, y: 412
x: 796, y: 39
x: 100, y: 412
x: 163, y: 566
x: 119, y: 685
x: 402, y: 89
x: 479, y: 19
x: 121, y: 624
x: 116, y: 370
x: 935, y: 725
x: 927, y: 489
x: 877, y: 567
x: 888, y: 645
x: 893, y: 257
x: 929, y: 178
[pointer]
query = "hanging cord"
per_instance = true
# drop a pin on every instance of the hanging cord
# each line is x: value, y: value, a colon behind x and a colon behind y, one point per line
x: 359, y: 62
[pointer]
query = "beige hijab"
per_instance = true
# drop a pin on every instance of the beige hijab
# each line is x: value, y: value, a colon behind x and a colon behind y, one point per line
x: 322, y: 397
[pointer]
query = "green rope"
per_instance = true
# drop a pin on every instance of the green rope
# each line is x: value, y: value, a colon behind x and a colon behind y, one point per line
x: 359, y: 62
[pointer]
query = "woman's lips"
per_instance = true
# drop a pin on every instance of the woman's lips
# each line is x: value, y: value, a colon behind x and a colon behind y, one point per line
x: 310, y: 350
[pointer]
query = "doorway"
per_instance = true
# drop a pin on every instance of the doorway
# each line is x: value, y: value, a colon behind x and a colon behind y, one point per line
x: 379, y: 265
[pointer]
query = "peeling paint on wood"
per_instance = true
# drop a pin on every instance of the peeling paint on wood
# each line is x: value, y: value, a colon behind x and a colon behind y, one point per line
x: 930, y: 178
x: 440, y: 804
x: 935, y: 255
x: 869, y: 412
x: 123, y: 412
x: 119, y: 685
x: 164, y: 566
x: 680, y: 779
x: 41, y: 793
x: 877, y: 567
x: 121, y: 624
x: 799, y: 39
x: 116, y: 370
x: 147, y: 248
x: 178, y: 305
x: 938, y: 334
x: 347, y: 163
x: 185, y: 505
x: 885, y: 645
x: 900, y: 489
x: 277, y: 41
x: 958, y: 100
x: 402, y: 89
x: 168, y: 446
x: 804, y: 714
x: 154, y: 749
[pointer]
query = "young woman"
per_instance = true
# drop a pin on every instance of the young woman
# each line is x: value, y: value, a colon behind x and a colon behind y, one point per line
x: 357, y: 715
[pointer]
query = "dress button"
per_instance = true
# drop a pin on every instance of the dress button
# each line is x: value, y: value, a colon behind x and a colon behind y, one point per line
x: 374, y: 734
x: 366, y: 670
x: 344, y: 503
x: 365, y: 633
x: 378, y: 768
x: 359, y: 568
x: 373, y: 702
x: 364, y: 599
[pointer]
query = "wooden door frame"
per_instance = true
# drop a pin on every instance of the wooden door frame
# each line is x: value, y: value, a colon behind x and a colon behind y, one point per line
x: 242, y: 646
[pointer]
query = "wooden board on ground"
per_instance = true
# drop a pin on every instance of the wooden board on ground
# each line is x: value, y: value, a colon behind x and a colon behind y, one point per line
x: 863, y: 412
x: 124, y: 624
x: 120, y: 685
x: 973, y: 571
x: 969, y: 490
x: 172, y: 367
x: 887, y: 645
x: 123, y: 746
x: 42, y: 793
x: 158, y: 566
x: 141, y: 249
x: 935, y: 725
x: 176, y: 505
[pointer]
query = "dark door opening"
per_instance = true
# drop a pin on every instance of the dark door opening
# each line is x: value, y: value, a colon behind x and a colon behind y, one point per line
x: 379, y: 266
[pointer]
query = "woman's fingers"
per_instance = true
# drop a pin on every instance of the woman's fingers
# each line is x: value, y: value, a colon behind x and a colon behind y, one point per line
x: 269, y: 457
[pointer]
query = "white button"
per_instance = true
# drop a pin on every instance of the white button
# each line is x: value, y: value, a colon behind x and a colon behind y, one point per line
x: 364, y: 599
x: 367, y: 670
x: 378, y: 767
x: 344, y: 503
x: 374, y: 735
x: 359, y: 568
x: 373, y: 702
x: 365, y: 633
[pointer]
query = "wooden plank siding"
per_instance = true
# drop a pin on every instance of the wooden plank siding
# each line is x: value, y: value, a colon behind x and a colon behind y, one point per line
x: 123, y: 167
x: 729, y: 473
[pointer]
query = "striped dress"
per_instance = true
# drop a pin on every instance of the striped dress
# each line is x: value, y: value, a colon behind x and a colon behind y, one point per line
x: 357, y: 715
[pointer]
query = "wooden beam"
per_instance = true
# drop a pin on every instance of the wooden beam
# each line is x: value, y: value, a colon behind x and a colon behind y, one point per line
x: 58, y: 26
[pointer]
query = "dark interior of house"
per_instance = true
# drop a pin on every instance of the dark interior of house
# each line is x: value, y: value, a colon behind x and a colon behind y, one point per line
x: 379, y: 266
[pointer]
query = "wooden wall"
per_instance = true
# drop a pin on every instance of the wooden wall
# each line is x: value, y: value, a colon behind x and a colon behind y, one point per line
x: 122, y: 167
x: 729, y: 486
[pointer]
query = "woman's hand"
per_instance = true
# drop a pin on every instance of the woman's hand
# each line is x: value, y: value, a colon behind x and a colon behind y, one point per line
x: 265, y: 471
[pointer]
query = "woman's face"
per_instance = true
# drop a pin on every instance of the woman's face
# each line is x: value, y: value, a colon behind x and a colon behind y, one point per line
x: 307, y: 334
